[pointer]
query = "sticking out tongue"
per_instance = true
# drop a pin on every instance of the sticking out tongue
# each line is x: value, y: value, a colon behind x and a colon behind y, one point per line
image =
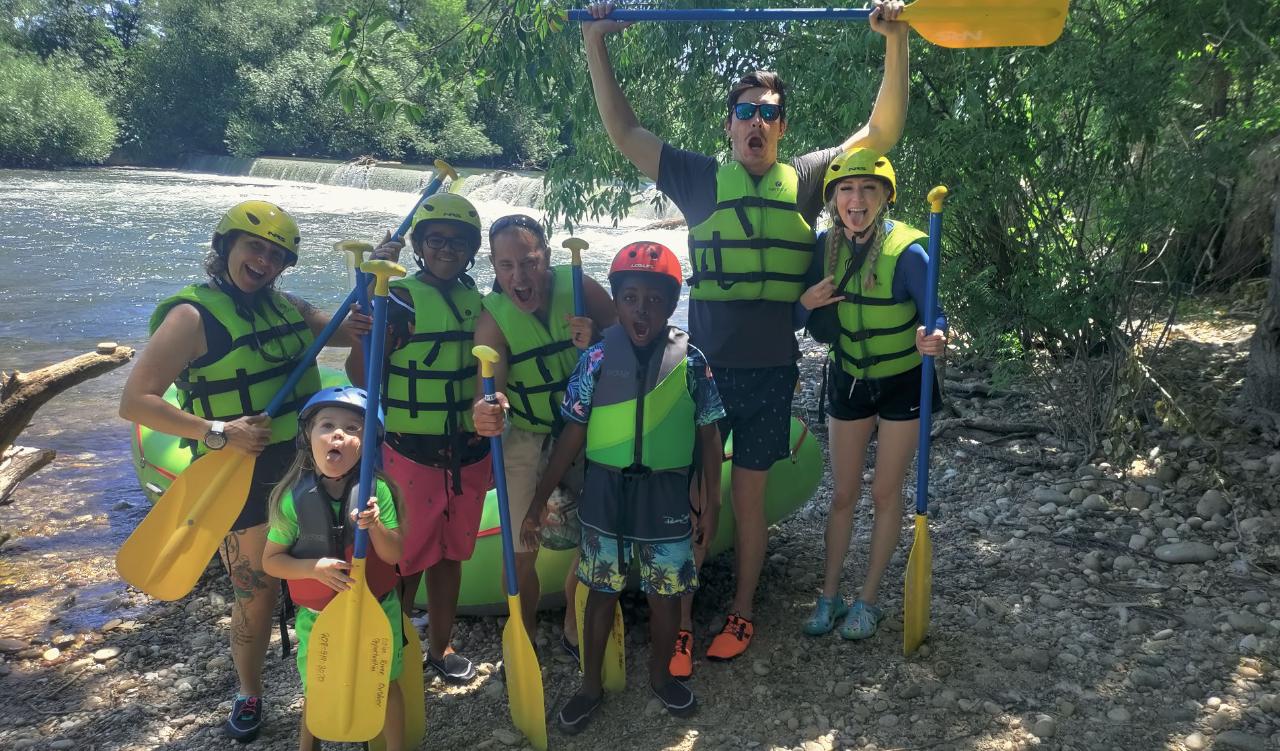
x: 523, y: 295
x: 334, y: 456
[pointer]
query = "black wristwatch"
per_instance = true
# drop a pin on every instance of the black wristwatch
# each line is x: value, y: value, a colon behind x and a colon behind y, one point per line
x: 215, y: 438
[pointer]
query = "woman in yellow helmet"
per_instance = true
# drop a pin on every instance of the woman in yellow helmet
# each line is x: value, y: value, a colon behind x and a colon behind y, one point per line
x: 872, y: 270
x: 229, y: 344
x: 431, y: 451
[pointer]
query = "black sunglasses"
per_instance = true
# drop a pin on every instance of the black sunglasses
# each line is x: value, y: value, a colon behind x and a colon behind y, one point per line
x: 747, y: 110
x: 517, y: 220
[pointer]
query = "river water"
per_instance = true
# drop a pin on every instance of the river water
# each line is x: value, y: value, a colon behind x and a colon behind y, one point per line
x: 84, y: 257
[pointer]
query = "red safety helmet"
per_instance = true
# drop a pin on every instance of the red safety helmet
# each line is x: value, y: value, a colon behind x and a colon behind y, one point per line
x: 648, y: 257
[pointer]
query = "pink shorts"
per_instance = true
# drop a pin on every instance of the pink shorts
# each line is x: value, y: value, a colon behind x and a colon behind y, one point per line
x: 437, y: 524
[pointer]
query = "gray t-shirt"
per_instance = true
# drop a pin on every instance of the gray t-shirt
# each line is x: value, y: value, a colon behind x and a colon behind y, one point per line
x: 738, y: 333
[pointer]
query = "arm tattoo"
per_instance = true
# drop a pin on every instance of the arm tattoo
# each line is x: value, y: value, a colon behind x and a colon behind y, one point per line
x: 305, y: 309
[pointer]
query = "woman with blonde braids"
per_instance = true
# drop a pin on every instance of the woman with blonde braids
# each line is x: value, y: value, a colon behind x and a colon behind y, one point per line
x: 873, y: 270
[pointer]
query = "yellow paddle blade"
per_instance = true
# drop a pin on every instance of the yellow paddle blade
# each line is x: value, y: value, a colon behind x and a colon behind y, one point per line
x: 961, y: 24
x: 917, y: 589
x: 412, y: 691
x: 166, y: 554
x: 411, y: 688
x: 348, y: 660
x: 615, y: 655
x: 524, y: 678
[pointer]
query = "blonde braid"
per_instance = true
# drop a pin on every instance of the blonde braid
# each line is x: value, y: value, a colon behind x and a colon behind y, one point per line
x: 877, y: 245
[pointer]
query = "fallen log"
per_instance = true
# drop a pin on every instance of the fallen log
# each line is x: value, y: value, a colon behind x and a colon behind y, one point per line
x: 17, y: 464
x: 21, y: 394
x: 988, y: 425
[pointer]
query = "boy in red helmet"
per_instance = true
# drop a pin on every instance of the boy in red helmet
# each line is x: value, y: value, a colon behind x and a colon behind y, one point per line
x: 643, y: 402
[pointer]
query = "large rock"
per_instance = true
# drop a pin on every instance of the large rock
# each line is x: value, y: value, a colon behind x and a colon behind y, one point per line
x: 1186, y: 552
x: 1211, y: 504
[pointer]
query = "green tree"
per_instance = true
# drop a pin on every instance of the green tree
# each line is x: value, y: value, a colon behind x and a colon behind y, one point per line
x: 49, y: 117
x: 186, y: 82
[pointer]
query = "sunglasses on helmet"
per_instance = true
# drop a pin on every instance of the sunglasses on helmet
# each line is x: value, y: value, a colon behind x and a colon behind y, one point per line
x: 747, y: 110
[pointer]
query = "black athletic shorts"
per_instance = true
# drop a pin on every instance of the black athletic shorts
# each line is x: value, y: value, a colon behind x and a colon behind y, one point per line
x: 271, y: 465
x: 894, y: 397
x: 757, y: 405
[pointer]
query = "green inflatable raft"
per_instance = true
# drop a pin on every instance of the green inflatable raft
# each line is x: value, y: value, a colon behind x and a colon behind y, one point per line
x: 158, y: 458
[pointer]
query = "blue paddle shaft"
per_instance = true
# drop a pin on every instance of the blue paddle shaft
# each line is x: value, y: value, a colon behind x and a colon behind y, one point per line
x: 373, y: 389
x: 579, y: 302
x: 926, y: 370
x: 309, y: 356
x: 432, y: 188
x: 769, y: 15
x: 500, y: 484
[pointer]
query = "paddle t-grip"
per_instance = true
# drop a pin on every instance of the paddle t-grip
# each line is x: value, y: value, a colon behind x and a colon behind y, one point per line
x: 382, y: 271
x: 488, y: 357
x: 443, y: 170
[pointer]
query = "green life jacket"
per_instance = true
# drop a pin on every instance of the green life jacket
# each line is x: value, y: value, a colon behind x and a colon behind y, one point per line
x: 431, y: 379
x: 755, y: 245
x: 877, y: 335
x: 542, y: 357
x: 266, y: 345
x: 651, y: 401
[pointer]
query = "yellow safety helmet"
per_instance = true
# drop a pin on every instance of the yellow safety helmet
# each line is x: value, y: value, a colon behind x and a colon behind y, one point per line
x: 449, y: 207
x: 860, y: 162
x: 262, y: 219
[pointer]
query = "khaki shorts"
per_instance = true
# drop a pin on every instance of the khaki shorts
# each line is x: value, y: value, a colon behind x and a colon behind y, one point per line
x: 525, y: 455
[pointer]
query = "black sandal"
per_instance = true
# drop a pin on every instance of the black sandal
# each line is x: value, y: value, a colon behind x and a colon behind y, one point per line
x: 677, y: 697
x: 577, y: 712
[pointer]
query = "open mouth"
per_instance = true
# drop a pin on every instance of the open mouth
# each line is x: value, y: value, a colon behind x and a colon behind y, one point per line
x: 755, y: 143
x: 254, y: 275
x: 857, y: 217
x: 640, y: 329
x: 333, y: 456
x: 523, y: 294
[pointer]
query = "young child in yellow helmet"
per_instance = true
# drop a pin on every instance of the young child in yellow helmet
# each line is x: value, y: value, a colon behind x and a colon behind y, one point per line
x: 431, y: 451
x: 872, y: 270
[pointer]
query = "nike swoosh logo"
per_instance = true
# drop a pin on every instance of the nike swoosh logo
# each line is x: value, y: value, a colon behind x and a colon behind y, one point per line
x: 915, y: 409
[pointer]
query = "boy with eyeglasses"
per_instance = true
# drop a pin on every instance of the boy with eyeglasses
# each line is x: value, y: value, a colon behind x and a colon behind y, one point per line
x: 431, y: 451
x: 750, y: 243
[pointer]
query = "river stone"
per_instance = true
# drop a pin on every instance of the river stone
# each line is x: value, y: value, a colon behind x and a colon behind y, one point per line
x: 760, y: 668
x: 1137, y: 542
x: 51, y: 654
x: 1186, y: 552
x: 1246, y: 623
x: 1044, y: 727
x: 507, y: 737
x: 1094, y: 502
x: 12, y: 645
x: 1118, y: 714
x: 1123, y: 563
x: 1195, y: 742
x: 1236, y: 739
x: 1211, y: 504
x: 1135, y: 498
x: 106, y: 653
x: 1049, y: 495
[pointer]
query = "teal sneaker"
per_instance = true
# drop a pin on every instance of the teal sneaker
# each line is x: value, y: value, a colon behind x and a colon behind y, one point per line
x: 825, y: 614
x: 861, y: 621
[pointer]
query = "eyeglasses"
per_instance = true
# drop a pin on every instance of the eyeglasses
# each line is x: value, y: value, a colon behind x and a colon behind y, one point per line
x: 456, y: 244
x: 747, y: 110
